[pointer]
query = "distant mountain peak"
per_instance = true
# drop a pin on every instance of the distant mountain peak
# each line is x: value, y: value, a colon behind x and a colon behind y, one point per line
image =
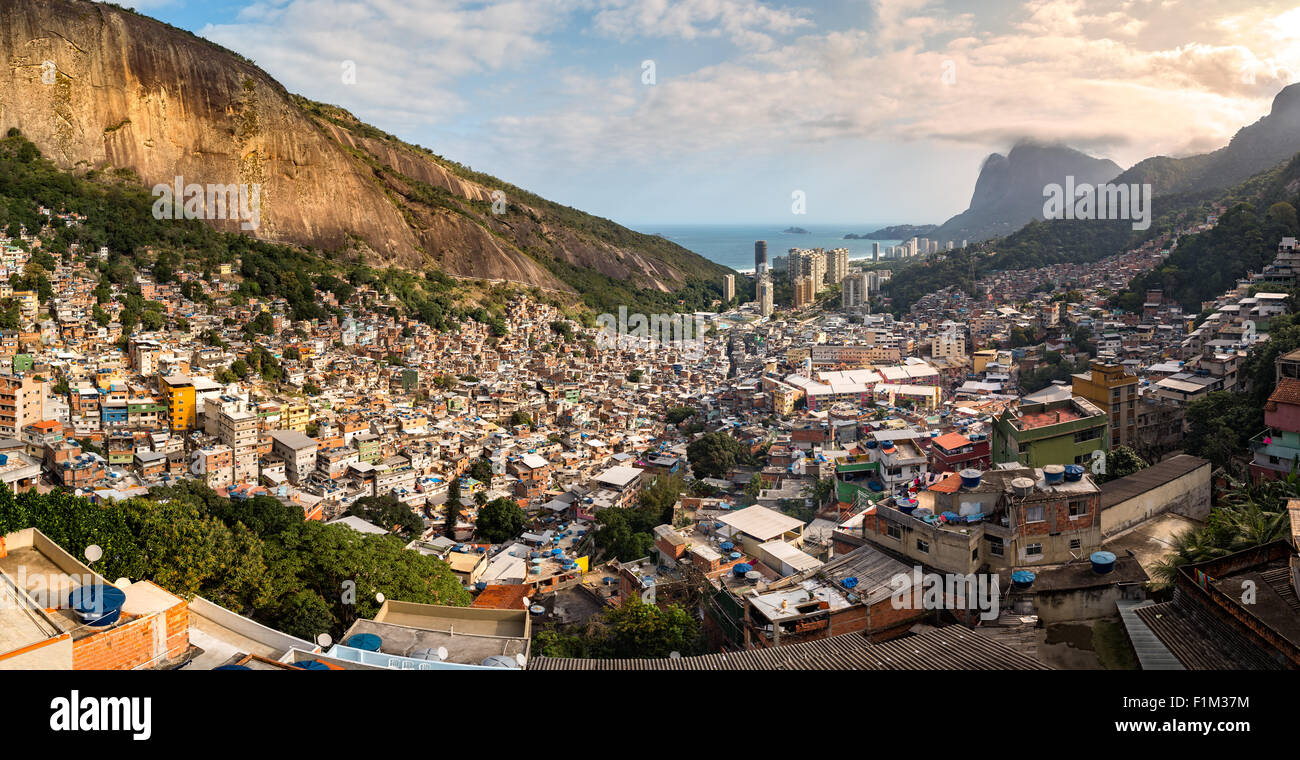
x: 1009, y: 190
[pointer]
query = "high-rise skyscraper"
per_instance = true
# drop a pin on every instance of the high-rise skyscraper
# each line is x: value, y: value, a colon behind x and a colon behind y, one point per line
x: 837, y: 265
x: 760, y: 257
x: 808, y: 263
x: 804, y: 292
x: 875, y: 251
x: 728, y: 287
x: 855, y: 291
x: 765, y: 297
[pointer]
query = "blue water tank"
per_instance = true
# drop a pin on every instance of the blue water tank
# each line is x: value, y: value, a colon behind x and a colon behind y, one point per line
x: 310, y: 665
x: 97, y: 604
x: 1102, y: 562
x: 1053, y: 473
x: 1073, y: 473
x: 850, y: 582
x: 367, y: 641
x: 742, y: 568
x: 1022, y: 579
x: 970, y: 478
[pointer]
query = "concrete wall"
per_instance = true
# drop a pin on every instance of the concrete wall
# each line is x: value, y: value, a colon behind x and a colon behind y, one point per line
x: 1188, y: 495
x: 1083, y: 604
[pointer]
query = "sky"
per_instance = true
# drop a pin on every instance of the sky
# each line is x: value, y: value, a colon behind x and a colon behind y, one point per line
x: 731, y: 111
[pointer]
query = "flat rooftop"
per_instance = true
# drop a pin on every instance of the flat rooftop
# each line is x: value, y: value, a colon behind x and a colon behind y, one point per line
x: 463, y: 646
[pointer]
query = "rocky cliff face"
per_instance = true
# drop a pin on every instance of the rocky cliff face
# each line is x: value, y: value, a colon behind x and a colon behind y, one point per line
x: 1009, y: 191
x: 96, y: 86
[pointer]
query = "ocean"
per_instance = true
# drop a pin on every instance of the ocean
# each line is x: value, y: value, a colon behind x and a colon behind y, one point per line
x: 732, y: 245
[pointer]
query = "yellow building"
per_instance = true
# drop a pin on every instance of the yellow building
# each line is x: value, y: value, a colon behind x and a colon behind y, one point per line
x: 28, y: 303
x: 805, y: 290
x: 982, y: 359
x: 294, y: 415
x: 179, y: 392
x: 1111, y: 388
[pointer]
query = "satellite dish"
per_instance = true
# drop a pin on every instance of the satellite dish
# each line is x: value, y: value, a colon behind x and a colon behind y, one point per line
x: 93, y: 552
x: 324, y: 639
x: 379, y: 597
x: 442, y: 653
x: 519, y: 658
x: 674, y: 655
x: 122, y: 582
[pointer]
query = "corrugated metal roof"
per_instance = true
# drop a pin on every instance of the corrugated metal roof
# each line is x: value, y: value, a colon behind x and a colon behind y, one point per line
x: 951, y: 648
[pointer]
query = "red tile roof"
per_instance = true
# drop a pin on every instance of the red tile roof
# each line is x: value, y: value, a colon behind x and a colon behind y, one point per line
x: 502, y: 597
x: 950, y: 484
x: 951, y: 441
x: 1287, y: 392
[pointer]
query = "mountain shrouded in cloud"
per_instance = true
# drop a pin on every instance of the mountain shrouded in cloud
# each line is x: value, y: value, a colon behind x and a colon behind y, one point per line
x: 1009, y: 191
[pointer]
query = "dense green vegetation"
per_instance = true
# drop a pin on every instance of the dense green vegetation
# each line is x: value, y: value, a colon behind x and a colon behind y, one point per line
x: 713, y: 455
x: 257, y: 557
x: 632, y: 630
x: 1246, y: 516
x: 627, y: 534
x: 1037, y: 244
x: 500, y: 520
x: 119, y: 215
x: 388, y: 513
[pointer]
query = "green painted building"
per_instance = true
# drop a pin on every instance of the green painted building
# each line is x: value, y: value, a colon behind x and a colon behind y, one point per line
x: 1052, y: 432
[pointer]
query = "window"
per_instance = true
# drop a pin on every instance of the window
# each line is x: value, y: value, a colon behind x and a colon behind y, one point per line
x: 974, y: 554
x: 1034, y: 514
x: 1087, y: 435
x: 996, y: 547
x: 1078, y: 508
x: 1034, y: 550
x: 923, y: 546
x: 894, y: 532
x: 1076, y: 543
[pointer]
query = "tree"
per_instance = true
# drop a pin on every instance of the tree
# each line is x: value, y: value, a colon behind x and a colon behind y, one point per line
x: 639, y: 630
x: 520, y: 417
x: 678, y: 413
x: 387, y: 512
x: 1122, y: 461
x: 500, y: 520
x: 452, y: 507
x: 713, y: 455
x: 661, y: 496
x: 481, y: 470
x: 240, y: 368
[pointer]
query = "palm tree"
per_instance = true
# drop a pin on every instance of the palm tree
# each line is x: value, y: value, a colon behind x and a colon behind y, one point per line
x: 1187, y: 548
x: 1253, y: 526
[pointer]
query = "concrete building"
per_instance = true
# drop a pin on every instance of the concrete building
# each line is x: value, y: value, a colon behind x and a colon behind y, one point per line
x: 837, y: 265
x: 22, y: 402
x: 1111, y: 388
x: 1053, y: 432
x: 765, y: 306
x: 855, y: 292
x: 805, y: 292
x: 298, y: 452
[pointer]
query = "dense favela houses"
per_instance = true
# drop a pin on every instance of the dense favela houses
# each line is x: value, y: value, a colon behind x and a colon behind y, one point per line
x: 416, y: 418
